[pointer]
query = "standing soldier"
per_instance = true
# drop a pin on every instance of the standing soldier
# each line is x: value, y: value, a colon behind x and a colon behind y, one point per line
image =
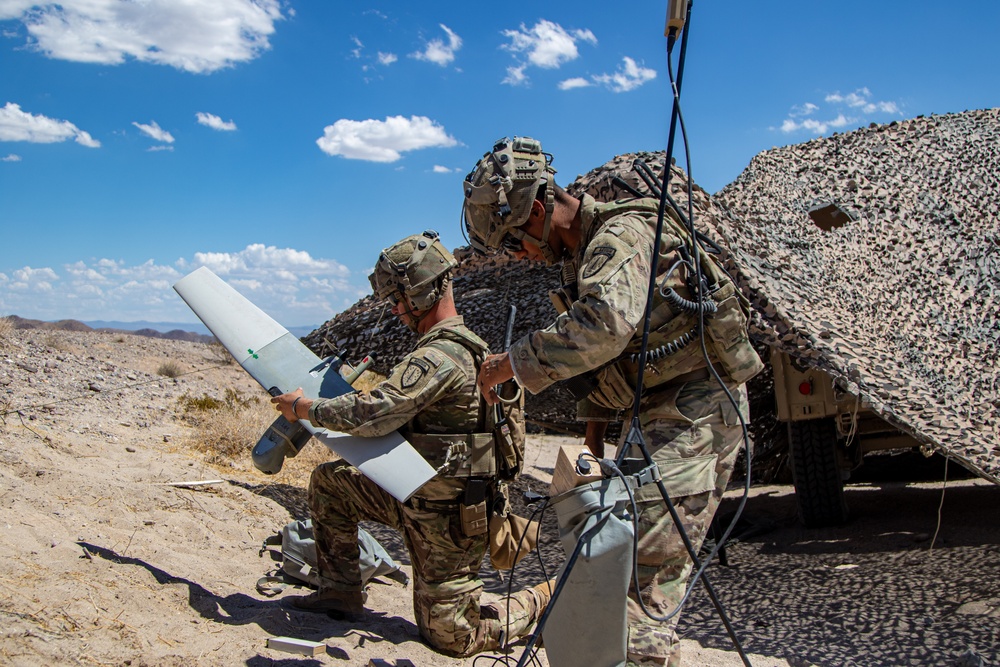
x: 692, y: 428
x: 431, y: 397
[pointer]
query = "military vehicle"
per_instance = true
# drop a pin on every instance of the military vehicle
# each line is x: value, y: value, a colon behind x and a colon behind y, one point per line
x: 829, y: 433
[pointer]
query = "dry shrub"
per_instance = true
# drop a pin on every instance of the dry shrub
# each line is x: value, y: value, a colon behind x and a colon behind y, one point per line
x: 56, y: 342
x: 219, y: 354
x: 170, y: 369
x: 226, y: 429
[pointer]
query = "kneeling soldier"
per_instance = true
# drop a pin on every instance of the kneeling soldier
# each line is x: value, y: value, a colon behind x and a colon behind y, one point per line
x: 432, y: 399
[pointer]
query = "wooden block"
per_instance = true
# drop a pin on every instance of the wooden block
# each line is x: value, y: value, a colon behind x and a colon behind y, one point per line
x: 565, y: 476
x: 293, y: 645
x: 379, y: 662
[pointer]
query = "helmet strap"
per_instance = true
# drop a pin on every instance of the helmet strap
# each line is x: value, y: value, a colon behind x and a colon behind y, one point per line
x: 550, y: 202
x: 413, y: 320
x: 543, y: 243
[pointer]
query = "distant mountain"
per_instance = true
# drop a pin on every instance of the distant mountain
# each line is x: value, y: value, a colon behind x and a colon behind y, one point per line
x: 76, y: 325
x: 172, y: 330
x: 161, y: 327
x: 61, y: 325
x: 182, y: 327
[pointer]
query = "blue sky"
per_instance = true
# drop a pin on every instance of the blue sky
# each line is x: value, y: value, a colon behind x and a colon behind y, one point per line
x: 283, y: 144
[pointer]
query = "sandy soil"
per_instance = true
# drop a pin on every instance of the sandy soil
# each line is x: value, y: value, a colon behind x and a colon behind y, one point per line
x: 106, y: 563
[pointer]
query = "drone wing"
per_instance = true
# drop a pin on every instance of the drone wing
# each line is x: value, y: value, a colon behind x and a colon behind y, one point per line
x: 281, y: 363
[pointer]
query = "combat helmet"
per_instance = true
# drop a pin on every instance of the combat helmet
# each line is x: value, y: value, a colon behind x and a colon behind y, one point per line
x: 418, y: 267
x: 499, y: 192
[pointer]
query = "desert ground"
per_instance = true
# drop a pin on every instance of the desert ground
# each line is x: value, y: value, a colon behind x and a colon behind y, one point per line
x: 107, y: 561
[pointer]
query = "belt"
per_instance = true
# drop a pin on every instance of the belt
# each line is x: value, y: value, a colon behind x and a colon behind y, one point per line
x: 440, y: 506
x: 697, y: 375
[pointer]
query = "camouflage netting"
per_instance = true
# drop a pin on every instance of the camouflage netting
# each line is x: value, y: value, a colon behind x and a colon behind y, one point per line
x: 897, y: 301
x: 484, y: 289
x: 899, y: 304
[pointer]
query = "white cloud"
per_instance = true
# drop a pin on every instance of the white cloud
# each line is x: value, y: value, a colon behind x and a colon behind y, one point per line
x: 806, y: 109
x: 576, y: 82
x: 858, y: 98
x: 437, y: 51
x: 214, y: 122
x: 160, y: 148
x: 17, y: 125
x: 547, y: 44
x: 382, y: 141
x: 257, y: 257
x: 515, y: 76
x: 846, y: 110
x: 154, y: 131
x: 815, y: 126
x: 28, y: 275
x: 358, y: 47
x: 438, y: 169
x: 840, y: 121
x: 13, y: 157
x: 387, y: 58
x: 288, y: 284
x: 628, y: 77
x: 195, y: 36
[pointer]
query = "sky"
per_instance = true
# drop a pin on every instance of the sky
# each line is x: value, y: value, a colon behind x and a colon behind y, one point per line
x: 285, y: 143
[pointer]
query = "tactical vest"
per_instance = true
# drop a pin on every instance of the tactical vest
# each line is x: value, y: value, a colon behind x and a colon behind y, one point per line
x: 495, y: 449
x: 673, y: 348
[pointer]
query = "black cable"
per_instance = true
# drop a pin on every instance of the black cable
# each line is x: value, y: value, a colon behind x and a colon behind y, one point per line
x: 699, y: 574
x: 510, y: 579
x: 559, y: 586
x: 634, y: 436
x: 656, y: 187
x: 505, y: 660
x: 648, y: 177
x: 617, y: 180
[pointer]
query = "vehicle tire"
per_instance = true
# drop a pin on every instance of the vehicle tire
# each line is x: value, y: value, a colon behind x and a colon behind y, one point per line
x: 819, y: 486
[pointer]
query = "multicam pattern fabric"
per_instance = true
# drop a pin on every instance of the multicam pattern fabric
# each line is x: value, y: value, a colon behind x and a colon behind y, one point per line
x: 692, y: 430
x: 432, y: 390
x: 602, y: 323
x: 898, y: 304
x: 446, y: 584
x: 693, y: 433
x: 418, y: 266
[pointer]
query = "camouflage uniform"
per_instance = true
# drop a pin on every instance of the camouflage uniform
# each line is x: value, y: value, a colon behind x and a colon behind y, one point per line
x: 691, y: 428
x: 431, y: 391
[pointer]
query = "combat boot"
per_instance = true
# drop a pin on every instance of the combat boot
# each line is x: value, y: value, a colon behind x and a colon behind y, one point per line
x: 543, y: 593
x: 331, y: 600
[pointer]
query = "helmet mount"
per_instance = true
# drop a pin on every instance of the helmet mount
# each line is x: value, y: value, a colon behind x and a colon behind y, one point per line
x: 500, y: 191
x: 415, y: 271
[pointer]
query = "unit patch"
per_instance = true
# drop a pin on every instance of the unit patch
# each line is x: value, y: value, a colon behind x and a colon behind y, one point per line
x: 598, y: 258
x: 413, y: 373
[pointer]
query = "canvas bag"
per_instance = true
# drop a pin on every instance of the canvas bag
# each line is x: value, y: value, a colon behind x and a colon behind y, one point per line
x: 595, y: 593
x: 296, y: 553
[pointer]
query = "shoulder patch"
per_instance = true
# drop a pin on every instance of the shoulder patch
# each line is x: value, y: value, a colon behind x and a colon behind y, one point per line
x: 598, y: 258
x: 415, y: 370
